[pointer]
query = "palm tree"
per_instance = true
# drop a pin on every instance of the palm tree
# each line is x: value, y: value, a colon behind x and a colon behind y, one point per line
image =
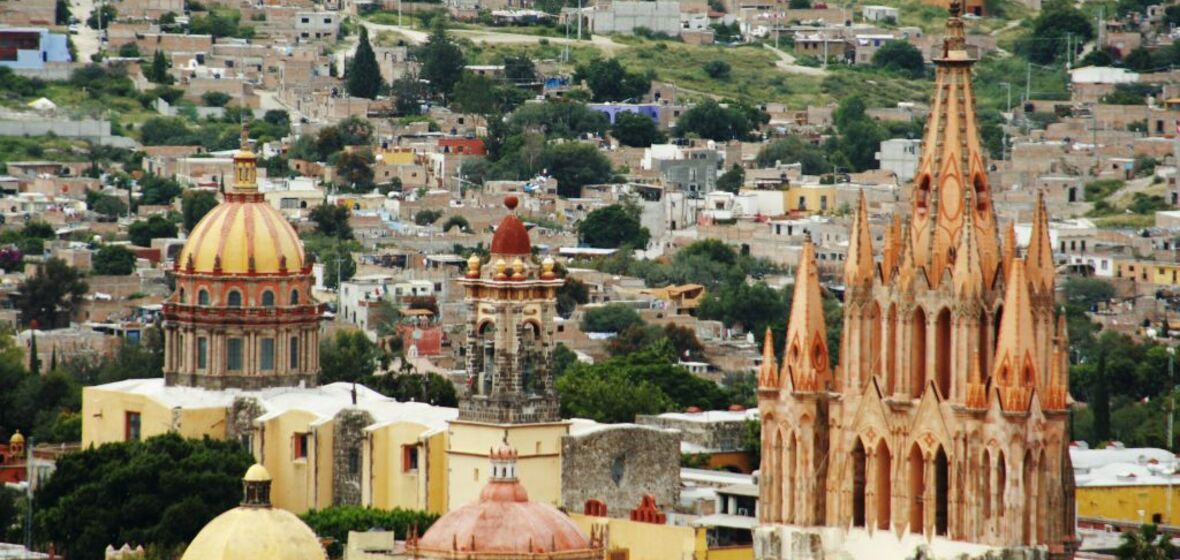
x: 1145, y: 544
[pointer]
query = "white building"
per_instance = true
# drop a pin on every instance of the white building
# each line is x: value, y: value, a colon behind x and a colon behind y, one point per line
x: 660, y: 16
x: 311, y: 26
x: 900, y: 155
x: 879, y: 13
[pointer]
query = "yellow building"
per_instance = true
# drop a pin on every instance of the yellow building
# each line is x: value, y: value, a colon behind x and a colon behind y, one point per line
x: 320, y: 448
x: 1128, y: 486
x: 811, y: 198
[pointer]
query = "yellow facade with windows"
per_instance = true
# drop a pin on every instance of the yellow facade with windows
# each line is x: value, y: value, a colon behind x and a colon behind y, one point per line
x: 405, y: 466
x: 1135, y: 503
x: 811, y: 198
x: 114, y: 415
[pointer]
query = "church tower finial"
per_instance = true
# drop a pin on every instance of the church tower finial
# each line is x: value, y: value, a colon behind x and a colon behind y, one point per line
x: 1015, y: 371
x: 858, y: 265
x: 805, y: 360
x: 1040, y: 269
x: 951, y: 164
x: 768, y: 378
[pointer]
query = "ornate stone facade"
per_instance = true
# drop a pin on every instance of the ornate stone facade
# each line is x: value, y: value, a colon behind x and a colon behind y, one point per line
x: 242, y: 315
x: 511, y: 305
x: 948, y: 416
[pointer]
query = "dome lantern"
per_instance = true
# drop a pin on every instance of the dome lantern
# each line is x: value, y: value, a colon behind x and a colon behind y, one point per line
x: 256, y: 487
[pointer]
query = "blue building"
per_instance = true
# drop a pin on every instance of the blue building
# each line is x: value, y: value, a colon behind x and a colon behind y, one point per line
x: 32, y: 48
x: 612, y: 110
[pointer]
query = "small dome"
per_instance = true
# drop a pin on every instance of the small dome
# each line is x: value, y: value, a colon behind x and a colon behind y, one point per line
x: 237, y: 232
x: 504, y: 523
x: 511, y: 237
x: 257, y: 473
x: 16, y: 439
x: 246, y: 533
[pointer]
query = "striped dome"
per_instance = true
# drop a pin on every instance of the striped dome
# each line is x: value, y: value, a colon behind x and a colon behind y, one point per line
x: 237, y: 230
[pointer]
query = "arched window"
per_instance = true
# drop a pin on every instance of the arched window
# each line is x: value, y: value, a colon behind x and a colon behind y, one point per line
x: 917, y: 490
x: 942, y: 353
x: 918, y: 353
x: 294, y: 297
x: 202, y: 297
x: 884, y: 489
x: 942, y: 488
x: 180, y: 295
x: 268, y: 298
x: 922, y: 195
x: 531, y: 381
x: 859, y: 488
x: 234, y: 299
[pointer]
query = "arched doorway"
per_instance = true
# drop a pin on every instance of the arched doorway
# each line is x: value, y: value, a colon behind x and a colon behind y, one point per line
x: 774, y: 470
x: 789, y: 477
x: 1042, y: 497
x: 1001, y: 485
x: 985, y: 485
x: 858, y: 484
x: 884, y: 486
x: 942, y: 493
x: 942, y: 352
x: 917, y: 490
x: 918, y: 353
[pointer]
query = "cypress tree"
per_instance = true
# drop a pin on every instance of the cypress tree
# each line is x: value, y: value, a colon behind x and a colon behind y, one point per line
x: 1101, y: 402
x: 34, y: 361
x: 158, y: 72
x: 364, y: 76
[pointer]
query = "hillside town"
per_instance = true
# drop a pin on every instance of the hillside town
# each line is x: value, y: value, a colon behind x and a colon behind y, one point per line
x: 613, y: 279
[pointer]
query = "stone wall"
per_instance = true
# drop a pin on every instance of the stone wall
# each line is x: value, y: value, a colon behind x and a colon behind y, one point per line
x: 348, y: 436
x: 618, y: 466
x: 240, y: 425
x: 782, y: 542
x: 716, y: 435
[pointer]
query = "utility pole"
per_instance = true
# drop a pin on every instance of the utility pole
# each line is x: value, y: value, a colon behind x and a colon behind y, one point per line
x: 1068, y: 50
x: 1008, y: 86
x: 579, y: 20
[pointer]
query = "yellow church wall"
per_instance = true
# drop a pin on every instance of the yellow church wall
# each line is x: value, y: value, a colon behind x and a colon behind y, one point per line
x: 811, y: 198
x: 303, y: 483
x: 538, y: 465
x: 385, y: 479
x: 647, y: 541
x: 104, y: 418
x: 1123, y: 503
x: 436, y: 481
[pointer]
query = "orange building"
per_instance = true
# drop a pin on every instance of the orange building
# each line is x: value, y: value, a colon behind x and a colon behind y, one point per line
x: 946, y: 424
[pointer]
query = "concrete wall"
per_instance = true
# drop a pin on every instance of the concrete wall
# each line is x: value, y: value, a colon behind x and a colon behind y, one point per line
x: 618, y: 466
x: 660, y: 16
x: 70, y: 129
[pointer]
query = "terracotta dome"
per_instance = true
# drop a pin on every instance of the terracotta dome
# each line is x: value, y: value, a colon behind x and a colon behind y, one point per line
x: 511, y: 237
x: 505, y: 523
x: 238, y: 230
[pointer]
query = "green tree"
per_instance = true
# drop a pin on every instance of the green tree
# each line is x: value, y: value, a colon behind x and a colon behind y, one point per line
x: 713, y: 121
x: 194, y: 205
x: 354, y: 171
x: 614, y: 226
x: 570, y: 295
x: 105, y: 204
x: 457, y: 221
x: 332, y: 220
x: 102, y: 17
x: 1087, y: 292
x: 337, y: 521
x: 636, y: 130
x: 157, y: 72
x: 563, y: 358
x: 732, y: 179
x: 348, y: 356
x: 61, y: 16
x: 614, y: 317
x: 794, y: 149
x: 575, y: 165
x: 442, y: 60
x: 753, y: 307
x: 852, y: 109
x: 609, y: 81
x: 799, y: 4
x: 427, y: 216
x: 142, y: 232
x: 859, y: 143
x: 160, y: 491
x: 637, y: 337
x: 364, y: 75
x: 129, y: 50
x: 408, y: 93
x: 156, y: 190
x: 215, y: 98
x: 165, y: 131
x: 607, y: 395
x: 1047, y: 42
x: 902, y: 57
x: 51, y: 295
x: 558, y: 119
x: 717, y: 69
x: 335, y: 254
x: 114, y: 260
x: 430, y: 388
x: 520, y: 69
x: 1148, y: 543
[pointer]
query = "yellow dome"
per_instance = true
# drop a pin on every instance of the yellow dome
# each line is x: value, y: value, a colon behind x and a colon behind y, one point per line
x: 257, y: 473
x: 237, y: 230
x: 255, y: 533
x: 16, y: 439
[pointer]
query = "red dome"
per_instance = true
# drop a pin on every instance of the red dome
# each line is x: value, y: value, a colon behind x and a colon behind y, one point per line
x: 511, y: 238
x: 503, y: 521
